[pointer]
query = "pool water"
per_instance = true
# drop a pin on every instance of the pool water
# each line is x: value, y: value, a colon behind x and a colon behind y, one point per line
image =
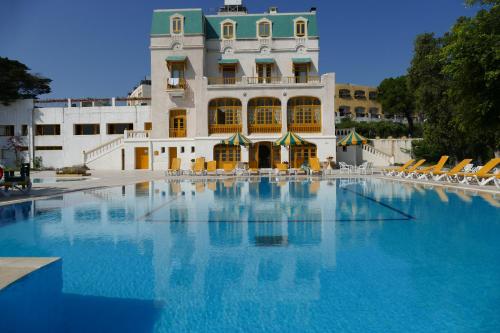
x: 52, y: 180
x: 266, y: 256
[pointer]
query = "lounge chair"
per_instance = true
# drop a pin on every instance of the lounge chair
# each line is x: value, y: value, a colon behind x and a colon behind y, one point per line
x: 395, y: 171
x: 345, y: 168
x: 481, y: 175
x: 212, y: 168
x: 367, y: 169
x: 199, y: 166
x: 175, y: 168
x: 426, y: 172
x: 438, y: 175
x: 229, y: 169
x: 411, y: 169
x: 315, y: 166
x: 281, y: 168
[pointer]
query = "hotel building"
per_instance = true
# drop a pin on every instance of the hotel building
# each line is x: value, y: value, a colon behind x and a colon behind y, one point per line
x: 211, y: 76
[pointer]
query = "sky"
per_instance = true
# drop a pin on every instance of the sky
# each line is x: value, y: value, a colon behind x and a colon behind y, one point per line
x: 99, y: 48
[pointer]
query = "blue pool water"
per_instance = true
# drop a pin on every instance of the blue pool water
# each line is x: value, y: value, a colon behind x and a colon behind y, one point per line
x: 238, y: 256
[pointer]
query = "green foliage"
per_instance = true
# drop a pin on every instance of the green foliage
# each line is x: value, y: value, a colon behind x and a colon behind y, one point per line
x: 397, y: 99
x: 17, y: 83
x: 482, y: 2
x: 456, y: 83
x: 38, y: 163
x: 74, y: 170
x: 382, y: 129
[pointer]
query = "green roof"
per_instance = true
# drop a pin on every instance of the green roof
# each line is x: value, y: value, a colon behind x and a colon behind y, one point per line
x: 246, y: 25
x: 264, y: 61
x: 301, y: 60
x: 193, y: 21
x: 180, y: 58
x: 228, y: 61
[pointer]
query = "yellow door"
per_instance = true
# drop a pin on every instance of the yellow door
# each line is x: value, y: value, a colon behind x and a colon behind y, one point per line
x: 172, y: 153
x: 141, y: 158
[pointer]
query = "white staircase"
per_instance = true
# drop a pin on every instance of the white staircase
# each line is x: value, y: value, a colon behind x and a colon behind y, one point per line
x: 92, y: 155
x: 377, y: 157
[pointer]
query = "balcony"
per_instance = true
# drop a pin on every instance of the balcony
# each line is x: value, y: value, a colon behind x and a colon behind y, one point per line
x: 177, y: 133
x: 224, y: 80
x: 359, y: 94
x: 264, y: 128
x: 176, y: 87
x: 285, y: 80
x: 224, y: 128
x: 305, y: 128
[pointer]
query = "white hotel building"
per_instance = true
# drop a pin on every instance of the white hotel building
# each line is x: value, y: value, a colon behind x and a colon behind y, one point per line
x: 211, y: 76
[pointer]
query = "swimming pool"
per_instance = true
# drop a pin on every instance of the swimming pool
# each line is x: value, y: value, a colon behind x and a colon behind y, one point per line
x: 266, y: 256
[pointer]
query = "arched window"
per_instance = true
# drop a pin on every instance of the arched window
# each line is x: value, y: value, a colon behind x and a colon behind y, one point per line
x: 226, y: 154
x: 264, y: 29
x: 301, y: 154
x: 224, y: 115
x: 264, y: 115
x: 304, y: 114
x: 177, y: 25
x: 300, y: 28
x: 228, y: 30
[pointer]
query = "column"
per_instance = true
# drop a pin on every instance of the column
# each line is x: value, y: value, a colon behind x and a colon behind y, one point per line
x: 284, y: 118
x: 244, y: 116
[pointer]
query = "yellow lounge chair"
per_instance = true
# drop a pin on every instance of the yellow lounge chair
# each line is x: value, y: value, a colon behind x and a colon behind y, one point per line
x: 281, y: 168
x: 175, y: 167
x: 394, y: 171
x: 426, y: 172
x: 199, y: 166
x: 481, y: 175
x: 411, y: 169
x: 315, y: 166
x: 438, y: 175
x: 212, y: 168
x: 229, y: 169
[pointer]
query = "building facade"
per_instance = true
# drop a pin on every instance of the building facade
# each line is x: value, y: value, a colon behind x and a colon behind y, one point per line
x: 357, y: 102
x: 211, y: 76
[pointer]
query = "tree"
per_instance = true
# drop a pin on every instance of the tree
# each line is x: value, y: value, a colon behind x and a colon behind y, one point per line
x: 482, y: 2
x: 430, y: 88
x: 17, y: 83
x: 472, y: 55
x: 396, y: 99
x: 16, y: 144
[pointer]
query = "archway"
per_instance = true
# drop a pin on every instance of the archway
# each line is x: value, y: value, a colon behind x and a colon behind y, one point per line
x: 264, y: 155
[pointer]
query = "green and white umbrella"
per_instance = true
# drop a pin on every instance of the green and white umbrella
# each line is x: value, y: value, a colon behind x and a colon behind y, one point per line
x: 353, y: 139
x: 237, y: 140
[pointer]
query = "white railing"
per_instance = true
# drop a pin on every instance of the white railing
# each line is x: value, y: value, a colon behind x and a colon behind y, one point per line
x: 388, y: 159
x: 131, y: 135
x: 342, y: 132
x: 91, y: 155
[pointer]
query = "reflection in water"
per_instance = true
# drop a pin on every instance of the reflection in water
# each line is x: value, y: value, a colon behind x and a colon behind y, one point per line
x: 266, y: 256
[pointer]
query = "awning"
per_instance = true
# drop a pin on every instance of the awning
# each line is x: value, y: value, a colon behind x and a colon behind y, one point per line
x: 264, y: 61
x: 301, y: 60
x: 353, y: 139
x: 228, y: 61
x: 179, y: 58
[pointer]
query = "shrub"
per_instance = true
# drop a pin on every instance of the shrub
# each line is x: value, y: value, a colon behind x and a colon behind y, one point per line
x: 74, y: 170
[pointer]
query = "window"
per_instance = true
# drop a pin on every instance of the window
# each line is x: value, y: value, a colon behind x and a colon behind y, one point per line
x: 7, y: 130
x: 224, y: 115
x: 264, y: 73
x: 228, y: 30
x: 24, y: 130
x: 182, y: 150
x: 192, y: 149
x: 360, y: 112
x: 344, y: 93
x: 301, y: 154
x: 148, y: 126
x: 344, y: 111
x: 229, y: 74
x: 177, y: 125
x: 119, y: 128
x: 87, y: 129
x: 48, y: 148
x: 48, y: 129
x: 301, y: 72
x: 264, y: 29
x: 226, y: 154
x: 177, y: 25
x: 300, y: 28
x: 304, y: 114
x: 264, y: 115
x: 359, y: 94
x: 163, y: 150
x: 372, y: 95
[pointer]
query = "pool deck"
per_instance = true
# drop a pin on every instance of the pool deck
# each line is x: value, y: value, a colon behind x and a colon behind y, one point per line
x: 105, y: 179
x: 14, y: 269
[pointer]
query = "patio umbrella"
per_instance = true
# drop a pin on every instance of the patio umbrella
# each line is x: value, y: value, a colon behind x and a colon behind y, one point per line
x: 288, y: 140
x: 237, y: 140
x: 353, y: 139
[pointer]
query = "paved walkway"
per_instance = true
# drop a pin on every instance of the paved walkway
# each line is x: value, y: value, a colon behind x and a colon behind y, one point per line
x: 13, y: 269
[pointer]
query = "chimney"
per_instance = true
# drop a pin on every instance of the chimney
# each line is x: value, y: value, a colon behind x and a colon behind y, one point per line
x: 232, y: 7
x: 273, y: 10
x: 313, y: 10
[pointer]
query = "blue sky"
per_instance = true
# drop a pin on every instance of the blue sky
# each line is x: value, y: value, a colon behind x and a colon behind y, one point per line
x: 99, y: 48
